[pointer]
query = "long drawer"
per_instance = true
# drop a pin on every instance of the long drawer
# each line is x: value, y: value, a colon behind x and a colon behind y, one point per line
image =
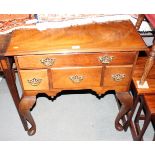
x: 68, y: 60
x: 76, y: 77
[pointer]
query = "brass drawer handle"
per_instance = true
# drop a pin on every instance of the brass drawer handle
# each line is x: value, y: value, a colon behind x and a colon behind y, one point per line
x: 76, y: 78
x: 47, y: 61
x: 106, y: 59
x: 118, y: 77
x: 34, y: 82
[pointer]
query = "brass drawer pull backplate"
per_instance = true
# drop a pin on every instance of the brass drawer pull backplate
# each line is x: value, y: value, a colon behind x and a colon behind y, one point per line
x: 76, y: 78
x: 47, y: 61
x: 106, y: 59
x: 34, y: 82
x: 118, y: 77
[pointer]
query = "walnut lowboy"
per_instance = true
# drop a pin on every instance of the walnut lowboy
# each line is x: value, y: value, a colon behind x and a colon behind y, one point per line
x: 47, y: 62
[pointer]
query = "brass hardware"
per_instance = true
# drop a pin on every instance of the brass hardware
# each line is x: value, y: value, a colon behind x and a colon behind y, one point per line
x: 106, y: 59
x: 118, y: 77
x: 34, y: 81
x: 76, y: 78
x: 47, y: 61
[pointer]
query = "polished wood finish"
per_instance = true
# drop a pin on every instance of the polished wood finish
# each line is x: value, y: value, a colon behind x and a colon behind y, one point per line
x: 99, y: 57
x: 4, y: 39
x: 25, y: 105
x: 34, y: 79
x: 81, y: 77
x: 126, y: 101
x: 151, y: 54
x: 6, y: 65
x: 144, y: 72
x: 138, y: 94
x: 66, y: 60
x: 137, y: 74
x: 148, y: 65
x: 140, y: 19
x: 147, y: 103
x: 150, y: 99
x: 112, y: 36
x: 112, y: 71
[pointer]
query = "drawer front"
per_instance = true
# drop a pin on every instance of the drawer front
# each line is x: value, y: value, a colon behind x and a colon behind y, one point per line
x: 83, y: 77
x: 69, y: 60
x: 117, y: 75
x: 34, y: 79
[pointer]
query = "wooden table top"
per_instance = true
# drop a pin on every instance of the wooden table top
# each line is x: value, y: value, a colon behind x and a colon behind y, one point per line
x: 96, y: 37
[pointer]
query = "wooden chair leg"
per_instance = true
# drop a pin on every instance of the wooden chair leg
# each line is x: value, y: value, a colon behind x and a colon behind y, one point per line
x: 145, y: 125
x: 138, y: 114
x: 137, y: 118
x: 139, y: 21
x: 148, y: 65
x: 130, y: 115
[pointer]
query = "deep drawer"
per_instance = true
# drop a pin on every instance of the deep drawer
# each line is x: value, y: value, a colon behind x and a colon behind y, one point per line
x: 69, y: 60
x: 77, y: 77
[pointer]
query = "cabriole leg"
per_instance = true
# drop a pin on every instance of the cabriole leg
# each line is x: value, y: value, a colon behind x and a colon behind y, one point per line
x: 126, y: 104
x: 25, y: 105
